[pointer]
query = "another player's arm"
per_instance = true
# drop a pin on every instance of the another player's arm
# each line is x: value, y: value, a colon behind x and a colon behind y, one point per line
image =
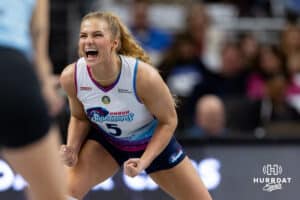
x: 43, y: 66
x: 79, y: 124
x: 40, y: 39
x: 155, y: 94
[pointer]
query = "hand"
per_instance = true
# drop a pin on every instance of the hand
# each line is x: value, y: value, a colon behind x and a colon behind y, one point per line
x: 54, y: 101
x: 133, y: 167
x: 68, y: 155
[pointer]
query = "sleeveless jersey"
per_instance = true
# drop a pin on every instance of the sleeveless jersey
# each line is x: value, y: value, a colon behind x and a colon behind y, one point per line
x: 116, y: 110
x: 15, y: 24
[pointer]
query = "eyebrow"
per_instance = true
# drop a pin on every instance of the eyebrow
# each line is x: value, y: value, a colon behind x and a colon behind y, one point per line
x: 92, y: 32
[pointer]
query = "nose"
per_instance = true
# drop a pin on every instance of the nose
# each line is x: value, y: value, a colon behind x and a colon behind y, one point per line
x: 89, y: 40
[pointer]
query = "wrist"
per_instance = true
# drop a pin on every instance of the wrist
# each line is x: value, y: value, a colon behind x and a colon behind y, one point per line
x: 145, y: 162
x: 73, y: 148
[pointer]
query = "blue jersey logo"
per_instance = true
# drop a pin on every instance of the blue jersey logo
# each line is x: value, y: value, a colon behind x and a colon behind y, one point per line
x: 100, y: 114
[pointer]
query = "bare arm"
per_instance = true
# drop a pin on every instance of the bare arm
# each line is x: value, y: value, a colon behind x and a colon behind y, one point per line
x: 79, y: 124
x: 40, y: 38
x: 157, y: 98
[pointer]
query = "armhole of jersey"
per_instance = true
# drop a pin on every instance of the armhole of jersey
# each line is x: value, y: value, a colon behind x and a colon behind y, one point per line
x: 134, y: 80
x: 75, y: 79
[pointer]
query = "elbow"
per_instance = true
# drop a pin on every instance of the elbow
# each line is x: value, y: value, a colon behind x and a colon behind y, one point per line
x: 171, y: 123
x: 174, y: 122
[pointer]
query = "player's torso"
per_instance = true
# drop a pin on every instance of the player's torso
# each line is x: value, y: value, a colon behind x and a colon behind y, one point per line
x: 116, y: 111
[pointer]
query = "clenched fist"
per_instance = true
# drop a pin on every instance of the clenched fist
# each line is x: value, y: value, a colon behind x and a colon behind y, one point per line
x: 68, y: 155
x: 133, y: 167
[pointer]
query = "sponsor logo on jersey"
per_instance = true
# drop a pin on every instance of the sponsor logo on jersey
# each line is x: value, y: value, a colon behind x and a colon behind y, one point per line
x: 175, y: 156
x: 105, y: 99
x: 85, y: 88
x: 120, y: 90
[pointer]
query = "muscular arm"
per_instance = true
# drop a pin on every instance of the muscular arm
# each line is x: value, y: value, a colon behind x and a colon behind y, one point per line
x: 79, y: 124
x: 157, y: 98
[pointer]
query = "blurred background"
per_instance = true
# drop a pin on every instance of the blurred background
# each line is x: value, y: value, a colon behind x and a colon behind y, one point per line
x: 234, y: 66
x: 243, y: 55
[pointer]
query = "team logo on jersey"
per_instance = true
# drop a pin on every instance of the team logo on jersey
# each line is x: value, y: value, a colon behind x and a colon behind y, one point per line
x: 100, y: 114
x: 96, y: 113
x: 105, y: 100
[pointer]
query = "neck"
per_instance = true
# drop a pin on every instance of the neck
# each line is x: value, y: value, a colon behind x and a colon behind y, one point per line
x: 107, y: 73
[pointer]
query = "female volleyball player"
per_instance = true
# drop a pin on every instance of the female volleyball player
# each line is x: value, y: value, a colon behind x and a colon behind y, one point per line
x: 122, y: 114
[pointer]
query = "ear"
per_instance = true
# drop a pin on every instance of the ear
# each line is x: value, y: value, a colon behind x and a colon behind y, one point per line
x: 115, y: 44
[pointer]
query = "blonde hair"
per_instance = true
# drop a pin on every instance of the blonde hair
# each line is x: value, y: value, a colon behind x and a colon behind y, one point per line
x: 127, y: 44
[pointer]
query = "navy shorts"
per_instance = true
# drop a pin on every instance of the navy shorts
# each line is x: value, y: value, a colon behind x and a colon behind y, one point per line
x: 168, y: 158
x: 24, y: 115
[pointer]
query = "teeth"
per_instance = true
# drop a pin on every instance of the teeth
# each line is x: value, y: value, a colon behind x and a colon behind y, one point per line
x: 91, y: 52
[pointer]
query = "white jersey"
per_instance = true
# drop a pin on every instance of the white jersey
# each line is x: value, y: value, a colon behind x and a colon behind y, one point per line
x: 116, y: 110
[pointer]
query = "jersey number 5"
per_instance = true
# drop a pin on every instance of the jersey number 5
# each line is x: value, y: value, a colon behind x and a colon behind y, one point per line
x: 114, y: 129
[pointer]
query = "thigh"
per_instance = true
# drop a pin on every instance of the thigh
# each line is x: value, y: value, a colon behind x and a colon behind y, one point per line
x: 94, y: 165
x: 182, y: 182
x: 39, y: 164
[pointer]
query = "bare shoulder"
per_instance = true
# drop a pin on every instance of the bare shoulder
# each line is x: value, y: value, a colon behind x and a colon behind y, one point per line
x: 67, y: 79
x: 149, y: 83
x: 147, y: 74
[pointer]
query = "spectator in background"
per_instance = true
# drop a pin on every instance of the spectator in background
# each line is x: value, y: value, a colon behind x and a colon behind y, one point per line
x: 153, y: 39
x: 290, y: 39
x: 210, y: 118
x: 250, y: 49
x: 270, y: 61
x: 293, y: 90
x: 206, y: 37
x: 273, y: 107
x: 182, y: 70
x: 197, y: 23
x: 229, y: 82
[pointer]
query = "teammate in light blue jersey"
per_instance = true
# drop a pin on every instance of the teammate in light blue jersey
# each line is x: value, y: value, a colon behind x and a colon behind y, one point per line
x: 122, y: 114
x: 28, y: 140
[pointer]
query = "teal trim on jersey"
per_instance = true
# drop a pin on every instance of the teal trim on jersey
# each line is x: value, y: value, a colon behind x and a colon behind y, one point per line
x: 134, y: 80
x: 144, y: 132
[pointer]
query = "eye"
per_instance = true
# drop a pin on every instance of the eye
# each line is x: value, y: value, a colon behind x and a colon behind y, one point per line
x: 98, y: 35
x: 82, y: 36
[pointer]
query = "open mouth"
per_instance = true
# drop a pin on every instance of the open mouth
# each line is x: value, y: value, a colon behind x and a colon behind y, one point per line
x: 91, y: 53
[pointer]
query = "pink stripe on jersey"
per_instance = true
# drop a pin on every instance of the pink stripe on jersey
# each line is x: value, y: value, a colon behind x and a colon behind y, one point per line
x: 128, y: 145
x: 103, y: 88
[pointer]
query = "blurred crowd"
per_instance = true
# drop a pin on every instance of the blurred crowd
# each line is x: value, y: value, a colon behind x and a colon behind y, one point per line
x: 241, y: 83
